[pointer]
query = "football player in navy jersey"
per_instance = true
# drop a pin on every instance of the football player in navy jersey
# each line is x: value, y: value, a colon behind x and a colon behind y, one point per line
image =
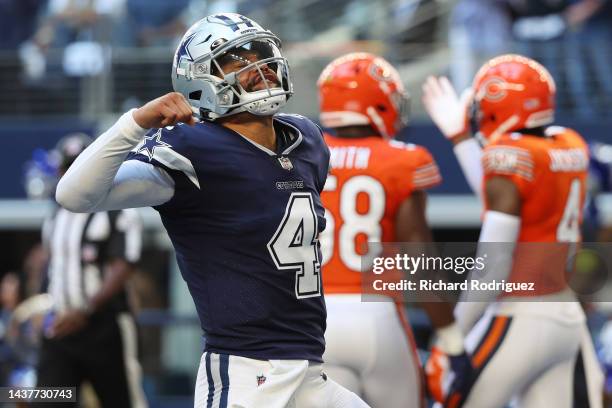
x: 238, y: 192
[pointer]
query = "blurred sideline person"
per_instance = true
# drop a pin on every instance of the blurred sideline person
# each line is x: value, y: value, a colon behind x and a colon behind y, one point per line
x: 375, y: 192
x: 90, y: 334
x: 532, y: 179
x: 238, y: 194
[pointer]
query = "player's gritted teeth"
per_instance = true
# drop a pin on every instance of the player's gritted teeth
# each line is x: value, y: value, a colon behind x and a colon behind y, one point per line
x: 256, y: 81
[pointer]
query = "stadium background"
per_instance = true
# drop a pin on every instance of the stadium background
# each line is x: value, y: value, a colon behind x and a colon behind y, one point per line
x: 75, y: 65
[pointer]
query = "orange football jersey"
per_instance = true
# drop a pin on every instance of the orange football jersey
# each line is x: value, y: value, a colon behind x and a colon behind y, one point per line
x: 369, y: 178
x: 550, y: 174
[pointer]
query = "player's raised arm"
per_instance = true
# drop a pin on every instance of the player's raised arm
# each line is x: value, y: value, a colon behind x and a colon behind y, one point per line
x: 100, y: 180
x: 449, y: 112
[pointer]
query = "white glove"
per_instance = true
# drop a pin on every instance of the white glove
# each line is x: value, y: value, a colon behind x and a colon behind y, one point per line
x: 542, y: 28
x: 445, y: 108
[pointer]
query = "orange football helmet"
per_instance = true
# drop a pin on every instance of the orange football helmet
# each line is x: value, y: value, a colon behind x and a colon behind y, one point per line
x: 511, y: 92
x: 363, y: 89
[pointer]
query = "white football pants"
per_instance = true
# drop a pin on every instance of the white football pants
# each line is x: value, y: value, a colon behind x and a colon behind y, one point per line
x: 227, y: 381
x: 370, y: 351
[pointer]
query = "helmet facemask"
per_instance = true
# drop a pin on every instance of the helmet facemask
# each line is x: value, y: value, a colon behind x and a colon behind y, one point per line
x: 474, y: 118
x: 401, y: 101
x: 260, y: 63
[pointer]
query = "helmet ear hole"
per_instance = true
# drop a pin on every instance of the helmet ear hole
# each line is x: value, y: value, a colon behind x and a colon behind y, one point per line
x: 195, y: 95
x: 381, y: 108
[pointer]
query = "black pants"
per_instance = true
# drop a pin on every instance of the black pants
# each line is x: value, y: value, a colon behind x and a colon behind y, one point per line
x: 95, y: 354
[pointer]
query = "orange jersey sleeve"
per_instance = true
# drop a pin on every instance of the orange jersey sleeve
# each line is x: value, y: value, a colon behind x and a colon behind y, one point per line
x: 510, y: 161
x: 369, y: 179
x: 420, y: 167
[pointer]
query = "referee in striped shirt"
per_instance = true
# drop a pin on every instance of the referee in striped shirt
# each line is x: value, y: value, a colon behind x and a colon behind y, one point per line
x: 90, y: 334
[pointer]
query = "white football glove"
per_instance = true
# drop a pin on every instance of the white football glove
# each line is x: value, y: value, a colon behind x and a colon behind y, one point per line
x: 445, y: 108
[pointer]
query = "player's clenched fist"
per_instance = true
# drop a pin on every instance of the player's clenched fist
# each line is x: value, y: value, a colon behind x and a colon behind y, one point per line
x: 164, y: 111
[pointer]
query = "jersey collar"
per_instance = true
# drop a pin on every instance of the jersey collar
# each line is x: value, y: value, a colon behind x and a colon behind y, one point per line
x: 296, y: 142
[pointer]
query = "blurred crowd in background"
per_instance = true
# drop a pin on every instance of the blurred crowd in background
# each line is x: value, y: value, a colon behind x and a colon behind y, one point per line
x: 47, y: 45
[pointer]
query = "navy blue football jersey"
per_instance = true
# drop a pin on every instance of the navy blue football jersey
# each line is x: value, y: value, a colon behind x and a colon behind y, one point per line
x: 244, y: 222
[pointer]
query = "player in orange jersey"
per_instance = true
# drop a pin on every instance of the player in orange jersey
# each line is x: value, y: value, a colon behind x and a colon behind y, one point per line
x: 531, y: 175
x: 375, y: 192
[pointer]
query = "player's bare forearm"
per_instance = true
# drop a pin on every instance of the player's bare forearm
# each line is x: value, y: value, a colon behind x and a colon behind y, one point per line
x: 503, y: 196
x: 411, y: 226
x: 116, y: 274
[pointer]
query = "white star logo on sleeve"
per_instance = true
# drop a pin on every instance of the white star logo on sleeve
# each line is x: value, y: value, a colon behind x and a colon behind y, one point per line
x: 154, y: 148
x: 150, y: 143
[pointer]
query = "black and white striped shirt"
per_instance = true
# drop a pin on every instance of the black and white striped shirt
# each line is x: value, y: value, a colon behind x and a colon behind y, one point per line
x: 80, y: 245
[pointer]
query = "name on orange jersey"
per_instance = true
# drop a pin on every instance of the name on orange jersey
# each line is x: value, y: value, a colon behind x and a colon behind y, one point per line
x: 568, y: 160
x: 508, y: 160
x: 349, y: 157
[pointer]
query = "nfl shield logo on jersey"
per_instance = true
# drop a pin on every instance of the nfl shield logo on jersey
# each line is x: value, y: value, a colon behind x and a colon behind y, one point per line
x: 261, y: 379
x: 285, y: 163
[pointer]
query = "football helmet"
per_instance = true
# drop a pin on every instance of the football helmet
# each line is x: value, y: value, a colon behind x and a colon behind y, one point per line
x: 363, y: 89
x: 511, y: 92
x: 220, y: 39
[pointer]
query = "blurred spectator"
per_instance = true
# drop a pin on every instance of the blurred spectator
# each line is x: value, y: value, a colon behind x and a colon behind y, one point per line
x: 589, y: 58
x: 154, y: 22
x: 78, y: 28
x: 543, y: 29
x: 17, y: 21
x: 537, y: 29
x: 414, y: 26
x: 479, y: 30
x: 67, y: 21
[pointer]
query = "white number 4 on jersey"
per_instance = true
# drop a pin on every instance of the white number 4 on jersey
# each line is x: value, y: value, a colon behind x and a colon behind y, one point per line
x: 294, y: 245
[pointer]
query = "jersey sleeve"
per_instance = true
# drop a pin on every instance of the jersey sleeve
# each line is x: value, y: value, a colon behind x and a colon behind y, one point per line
x: 414, y: 168
x: 512, y: 162
x: 125, y: 241
x: 426, y: 173
x: 167, y: 148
